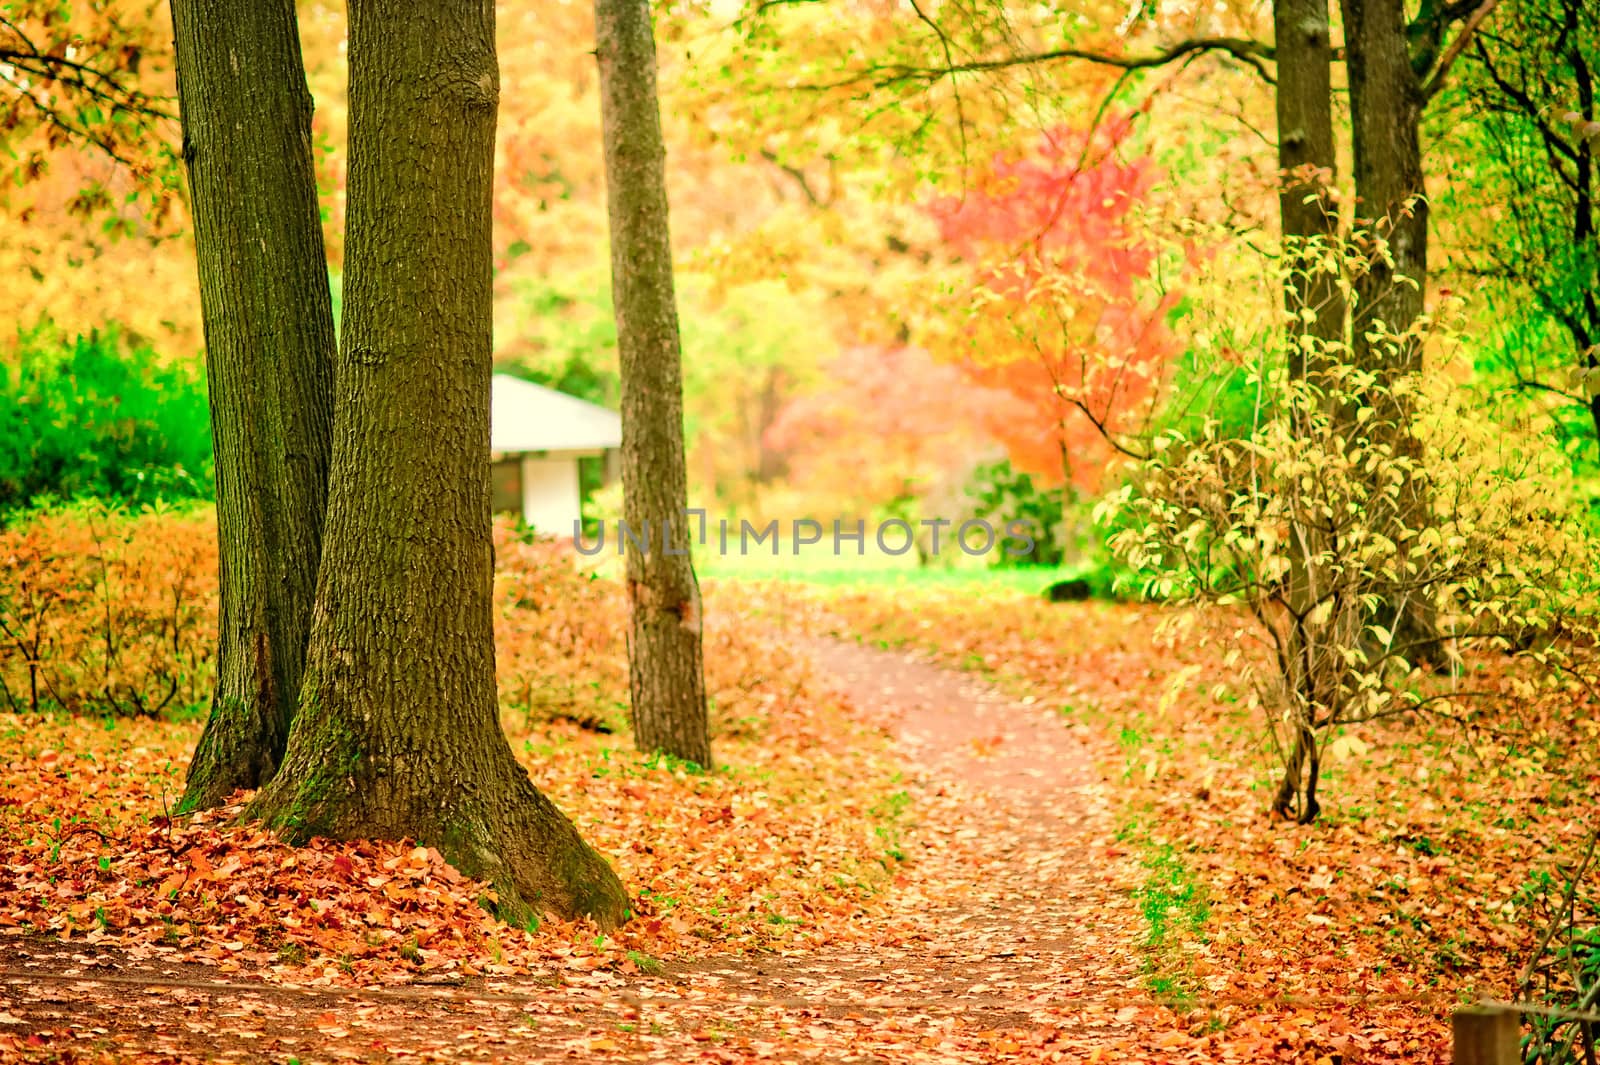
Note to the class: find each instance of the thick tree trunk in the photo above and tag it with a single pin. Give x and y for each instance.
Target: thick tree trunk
(269, 361)
(665, 667)
(1386, 114)
(1307, 162)
(1386, 102)
(398, 732)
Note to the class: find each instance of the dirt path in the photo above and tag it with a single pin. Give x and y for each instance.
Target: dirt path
(1009, 940)
(1022, 924)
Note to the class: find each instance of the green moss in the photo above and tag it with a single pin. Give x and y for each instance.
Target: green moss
(339, 756)
(592, 885)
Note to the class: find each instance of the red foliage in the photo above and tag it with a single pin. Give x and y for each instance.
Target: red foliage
(1064, 309)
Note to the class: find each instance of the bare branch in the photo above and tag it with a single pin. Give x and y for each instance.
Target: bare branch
(1435, 81)
(889, 74)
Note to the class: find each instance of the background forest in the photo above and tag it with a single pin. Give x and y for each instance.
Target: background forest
(848, 220)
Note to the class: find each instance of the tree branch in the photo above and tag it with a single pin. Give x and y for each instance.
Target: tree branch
(882, 76)
(1435, 81)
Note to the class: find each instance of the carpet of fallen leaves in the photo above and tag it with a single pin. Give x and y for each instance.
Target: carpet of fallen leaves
(1058, 855)
(1410, 886)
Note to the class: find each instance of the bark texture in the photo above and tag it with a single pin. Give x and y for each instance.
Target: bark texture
(1386, 102)
(398, 732)
(269, 361)
(665, 665)
(1307, 162)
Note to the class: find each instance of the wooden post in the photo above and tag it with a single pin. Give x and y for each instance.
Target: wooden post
(1486, 1035)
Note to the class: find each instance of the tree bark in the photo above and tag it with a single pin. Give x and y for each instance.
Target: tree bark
(1386, 104)
(397, 733)
(269, 361)
(665, 666)
(1307, 163)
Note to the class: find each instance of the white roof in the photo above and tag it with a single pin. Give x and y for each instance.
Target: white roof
(524, 416)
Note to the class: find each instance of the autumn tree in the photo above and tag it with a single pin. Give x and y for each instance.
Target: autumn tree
(397, 731)
(269, 360)
(665, 670)
(88, 76)
(1060, 304)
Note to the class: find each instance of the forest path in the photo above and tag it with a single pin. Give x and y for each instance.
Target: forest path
(1008, 936)
(1016, 930)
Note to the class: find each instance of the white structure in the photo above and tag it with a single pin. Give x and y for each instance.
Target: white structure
(536, 437)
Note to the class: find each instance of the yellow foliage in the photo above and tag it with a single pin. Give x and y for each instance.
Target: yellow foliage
(106, 612)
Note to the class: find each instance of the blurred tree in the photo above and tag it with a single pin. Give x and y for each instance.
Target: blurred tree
(666, 672)
(890, 426)
(1308, 209)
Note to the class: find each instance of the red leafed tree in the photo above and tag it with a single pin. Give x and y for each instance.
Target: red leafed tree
(1063, 305)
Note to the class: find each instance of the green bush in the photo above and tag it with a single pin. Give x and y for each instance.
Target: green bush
(99, 417)
(1002, 494)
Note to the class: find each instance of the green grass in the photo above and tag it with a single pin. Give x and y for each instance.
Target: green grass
(890, 815)
(1175, 910)
(818, 565)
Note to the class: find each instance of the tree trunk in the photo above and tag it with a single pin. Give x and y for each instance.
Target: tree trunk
(1309, 215)
(665, 668)
(1307, 162)
(1386, 102)
(1386, 113)
(398, 734)
(269, 361)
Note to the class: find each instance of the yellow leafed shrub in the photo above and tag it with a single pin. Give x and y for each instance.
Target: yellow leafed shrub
(106, 612)
(103, 611)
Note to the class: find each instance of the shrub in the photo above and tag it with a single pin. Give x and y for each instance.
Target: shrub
(98, 417)
(104, 610)
(1329, 520)
(1002, 494)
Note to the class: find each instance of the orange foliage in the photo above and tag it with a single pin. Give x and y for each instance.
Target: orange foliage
(105, 612)
(1063, 307)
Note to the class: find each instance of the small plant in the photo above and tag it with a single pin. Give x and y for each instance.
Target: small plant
(645, 963)
(672, 764)
(889, 813)
(1363, 549)
(1563, 970)
(1175, 910)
